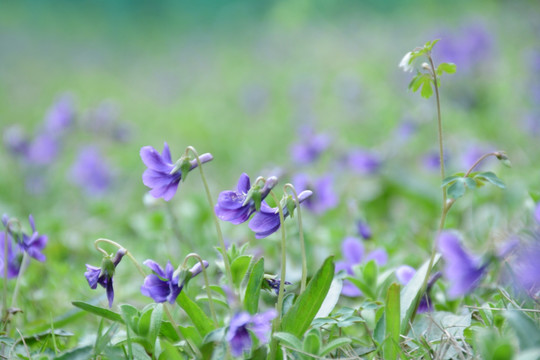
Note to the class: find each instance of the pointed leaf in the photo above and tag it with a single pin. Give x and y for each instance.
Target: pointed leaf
(449, 68)
(289, 339)
(202, 322)
(528, 333)
(334, 344)
(457, 189)
(297, 320)
(99, 311)
(155, 324)
(331, 298)
(392, 318)
(492, 178)
(253, 289)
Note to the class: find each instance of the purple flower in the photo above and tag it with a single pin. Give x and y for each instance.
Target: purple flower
(432, 161)
(60, 115)
(237, 206)
(462, 270)
(363, 162)
(472, 154)
(16, 141)
(537, 212)
(162, 176)
(14, 256)
(91, 172)
(323, 198)
(104, 275)
(163, 285)
(241, 324)
(353, 252)
(526, 267)
(266, 221)
(44, 149)
(34, 244)
(310, 147)
(274, 284)
(364, 230)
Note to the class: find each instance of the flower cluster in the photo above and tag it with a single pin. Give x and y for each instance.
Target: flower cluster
(241, 324)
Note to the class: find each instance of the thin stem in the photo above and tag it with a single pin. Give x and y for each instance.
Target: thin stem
(178, 333)
(175, 228)
(207, 283)
(216, 221)
(482, 158)
(24, 265)
(301, 234)
(128, 254)
(4, 298)
(279, 306)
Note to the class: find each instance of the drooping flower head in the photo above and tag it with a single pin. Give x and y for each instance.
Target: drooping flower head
(163, 284)
(352, 250)
(162, 175)
(91, 171)
(462, 270)
(34, 244)
(323, 198)
(237, 206)
(104, 275)
(14, 256)
(241, 324)
(266, 221)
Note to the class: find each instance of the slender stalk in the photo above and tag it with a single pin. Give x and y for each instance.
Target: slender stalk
(4, 298)
(301, 234)
(482, 158)
(128, 254)
(175, 228)
(190, 347)
(216, 220)
(207, 283)
(24, 265)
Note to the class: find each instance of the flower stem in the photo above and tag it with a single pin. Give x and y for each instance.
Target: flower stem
(207, 283)
(128, 254)
(301, 235)
(24, 265)
(176, 228)
(216, 221)
(281, 291)
(4, 298)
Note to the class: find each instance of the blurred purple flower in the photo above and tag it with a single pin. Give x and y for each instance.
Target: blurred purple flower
(238, 334)
(431, 161)
(472, 154)
(462, 270)
(363, 162)
(163, 285)
(266, 221)
(104, 275)
(274, 284)
(352, 250)
(34, 244)
(405, 273)
(162, 176)
(467, 49)
(323, 198)
(405, 130)
(232, 206)
(526, 267)
(60, 115)
(537, 212)
(310, 147)
(43, 149)
(16, 140)
(363, 229)
(14, 256)
(91, 172)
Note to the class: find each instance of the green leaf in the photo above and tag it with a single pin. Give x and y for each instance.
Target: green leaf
(99, 311)
(526, 330)
(289, 340)
(239, 268)
(169, 352)
(457, 189)
(312, 342)
(427, 90)
(392, 326)
(79, 353)
(471, 184)
(334, 344)
(130, 314)
(202, 322)
(449, 68)
(429, 45)
(144, 322)
(253, 289)
(450, 179)
(411, 293)
(155, 324)
(297, 320)
(490, 177)
(331, 298)
(369, 273)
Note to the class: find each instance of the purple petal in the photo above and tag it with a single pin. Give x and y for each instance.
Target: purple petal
(244, 184)
(155, 267)
(155, 288)
(262, 325)
(153, 160)
(230, 200)
(32, 223)
(166, 153)
(264, 222)
(404, 274)
(352, 250)
(110, 291)
(350, 290)
(92, 275)
(379, 255)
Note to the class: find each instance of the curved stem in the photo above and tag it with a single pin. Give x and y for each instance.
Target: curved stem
(301, 235)
(128, 254)
(482, 158)
(207, 283)
(216, 221)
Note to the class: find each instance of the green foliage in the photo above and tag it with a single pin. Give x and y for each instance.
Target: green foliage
(392, 319)
(253, 288)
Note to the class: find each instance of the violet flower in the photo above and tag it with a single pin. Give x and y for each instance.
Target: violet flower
(104, 275)
(323, 198)
(163, 285)
(462, 270)
(266, 221)
(537, 212)
(60, 115)
(91, 172)
(237, 206)
(43, 149)
(527, 269)
(352, 250)
(34, 244)
(363, 229)
(363, 162)
(162, 176)
(310, 147)
(14, 257)
(241, 324)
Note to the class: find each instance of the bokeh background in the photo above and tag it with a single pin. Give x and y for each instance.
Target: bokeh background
(85, 84)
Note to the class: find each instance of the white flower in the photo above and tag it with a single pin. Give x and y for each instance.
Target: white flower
(405, 63)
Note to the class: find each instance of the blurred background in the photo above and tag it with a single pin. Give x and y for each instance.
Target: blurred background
(307, 90)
